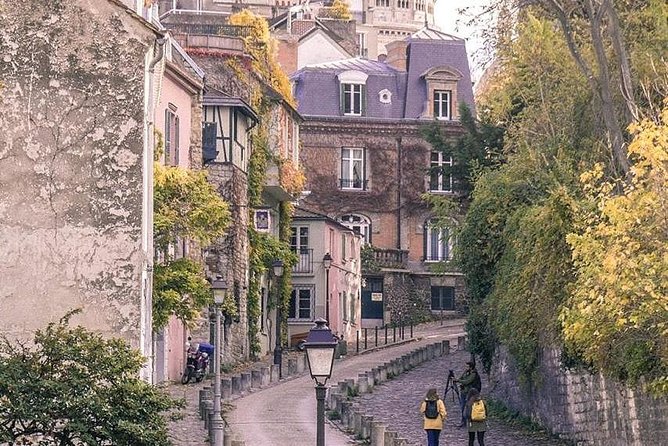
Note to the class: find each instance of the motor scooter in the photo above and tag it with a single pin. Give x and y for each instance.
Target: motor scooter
(196, 364)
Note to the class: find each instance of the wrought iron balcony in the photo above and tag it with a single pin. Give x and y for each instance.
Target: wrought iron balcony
(203, 29)
(304, 263)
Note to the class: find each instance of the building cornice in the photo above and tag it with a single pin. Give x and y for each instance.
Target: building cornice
(375, 126)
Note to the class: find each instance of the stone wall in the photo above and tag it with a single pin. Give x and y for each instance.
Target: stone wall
(588, 409)
(71, 154)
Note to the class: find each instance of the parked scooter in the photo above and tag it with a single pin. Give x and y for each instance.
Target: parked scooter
(197, 363)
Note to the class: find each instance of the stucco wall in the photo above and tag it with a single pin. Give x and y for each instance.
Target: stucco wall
(71, 145)
(586, 408)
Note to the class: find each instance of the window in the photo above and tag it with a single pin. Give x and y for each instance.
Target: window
(362, 49)
(442, 298)
(352, 99)
(343, 247)
(440, 177)
(301, 303)
(442, 104)
(359, 224)
(171, 137)
(299, 238)
(438, 243)
(352, 169)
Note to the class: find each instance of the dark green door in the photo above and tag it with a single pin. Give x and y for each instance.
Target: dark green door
(372, 298)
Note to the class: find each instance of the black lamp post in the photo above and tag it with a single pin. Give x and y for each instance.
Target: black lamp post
(219, 287)
(327, 263)
(277, 269)
(320, 346)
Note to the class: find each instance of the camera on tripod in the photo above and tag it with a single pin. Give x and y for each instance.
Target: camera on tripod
(450, 385)
(451, 373)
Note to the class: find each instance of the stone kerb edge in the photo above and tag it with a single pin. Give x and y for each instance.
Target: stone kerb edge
(357, 424)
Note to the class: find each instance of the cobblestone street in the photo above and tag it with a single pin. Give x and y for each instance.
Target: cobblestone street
(396, 404)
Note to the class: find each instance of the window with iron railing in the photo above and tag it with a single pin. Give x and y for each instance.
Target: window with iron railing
(353, 169)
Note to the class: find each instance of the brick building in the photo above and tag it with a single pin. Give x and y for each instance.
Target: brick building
(367, 164)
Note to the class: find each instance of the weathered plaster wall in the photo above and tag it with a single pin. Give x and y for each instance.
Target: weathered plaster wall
(588, 409)
(71, 142)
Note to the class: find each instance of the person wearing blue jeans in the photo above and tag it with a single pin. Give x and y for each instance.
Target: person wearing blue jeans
(433, 410)
(469, 380)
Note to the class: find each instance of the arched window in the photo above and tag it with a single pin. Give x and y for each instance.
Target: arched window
(359, 224)
(439, 242)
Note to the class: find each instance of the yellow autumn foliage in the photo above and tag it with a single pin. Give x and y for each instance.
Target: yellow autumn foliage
(617, 316)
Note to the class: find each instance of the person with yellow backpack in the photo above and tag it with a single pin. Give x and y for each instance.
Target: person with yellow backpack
(476, 413)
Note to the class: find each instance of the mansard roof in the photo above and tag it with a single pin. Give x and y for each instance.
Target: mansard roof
(356, 64)
(428, 33)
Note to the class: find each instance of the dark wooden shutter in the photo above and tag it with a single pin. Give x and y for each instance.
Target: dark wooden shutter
(341, 100)
(209, 136)
(363, 101)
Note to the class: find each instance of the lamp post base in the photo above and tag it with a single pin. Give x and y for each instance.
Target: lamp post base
(320, 392)
(278, 360)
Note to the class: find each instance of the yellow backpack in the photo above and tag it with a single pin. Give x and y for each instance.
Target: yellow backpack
(478, 411)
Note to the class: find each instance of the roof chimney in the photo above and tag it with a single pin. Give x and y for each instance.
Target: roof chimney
(396, 54)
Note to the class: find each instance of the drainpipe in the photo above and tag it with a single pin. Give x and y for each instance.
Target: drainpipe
(399, 186)
(148, 343)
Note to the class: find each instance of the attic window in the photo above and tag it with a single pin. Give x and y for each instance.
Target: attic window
(385, 96)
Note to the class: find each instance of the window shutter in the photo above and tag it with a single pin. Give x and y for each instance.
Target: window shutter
(341, 100)
(424, 240)
(363, 105)
(167, 138)
(175, 160)
(209, 134)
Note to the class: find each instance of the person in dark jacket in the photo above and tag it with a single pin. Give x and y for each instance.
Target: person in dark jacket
(433, 426)
(470, 379)
(476, 428)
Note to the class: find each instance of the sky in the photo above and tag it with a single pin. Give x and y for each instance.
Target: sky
(449, 21)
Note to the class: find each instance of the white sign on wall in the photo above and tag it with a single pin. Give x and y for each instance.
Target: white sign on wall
(377, 297)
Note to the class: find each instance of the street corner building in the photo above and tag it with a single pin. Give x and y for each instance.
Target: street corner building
(77, 83)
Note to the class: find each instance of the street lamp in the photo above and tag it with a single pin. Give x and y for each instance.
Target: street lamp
(327, 263)
(277, 268)
(219, 287)
(320, 345)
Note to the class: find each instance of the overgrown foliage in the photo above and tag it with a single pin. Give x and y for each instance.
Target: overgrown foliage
(75, 387)
(617, 315)
(536, 242)
(186, 207)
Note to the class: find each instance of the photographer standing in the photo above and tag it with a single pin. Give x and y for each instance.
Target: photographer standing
(470, 379)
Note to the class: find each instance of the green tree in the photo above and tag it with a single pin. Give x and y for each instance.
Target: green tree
(75, 387)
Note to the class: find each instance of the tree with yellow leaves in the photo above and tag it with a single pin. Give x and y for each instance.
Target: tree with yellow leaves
(617, 314)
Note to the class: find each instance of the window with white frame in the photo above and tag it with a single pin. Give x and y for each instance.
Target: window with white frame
(440, 175)
(359, 224)
(299, 238)
(352, 99)
(353, 169)
(443, 104)
(438, 243)
(301, 303)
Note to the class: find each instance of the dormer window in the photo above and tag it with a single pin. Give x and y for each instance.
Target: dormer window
(442, 93)
(353, 93)
(443, 105)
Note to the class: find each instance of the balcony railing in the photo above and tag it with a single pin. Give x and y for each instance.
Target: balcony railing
(376, 258)
(348, 184)
(304, 263)
(203, 29)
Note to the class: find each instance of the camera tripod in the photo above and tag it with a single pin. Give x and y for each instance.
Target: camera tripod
(450, 385)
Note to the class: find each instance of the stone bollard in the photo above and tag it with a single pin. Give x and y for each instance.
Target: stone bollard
(236, 385)
(256, 379)
(446, 347)
(383, 373)
(346, 414)
(351, 388)
(366, 426)
(265, 374)
(226, 388)
(208, 410)
(227, 437)
(461, 343)
(357, 423)
(236, 442)
(301, 364)
(245, 382)
(377, 434)
(292, 366)
(400, 442)
(342, 387)
(204, 395)
(334, 400)
(362, 383)
(431, 352)
(275, 376)
(390, 437)
(375, 375)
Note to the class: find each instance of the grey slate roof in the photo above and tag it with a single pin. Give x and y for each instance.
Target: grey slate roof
(317, 86)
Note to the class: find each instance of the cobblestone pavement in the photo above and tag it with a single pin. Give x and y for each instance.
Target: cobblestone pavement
(186, 429)
(396, 403)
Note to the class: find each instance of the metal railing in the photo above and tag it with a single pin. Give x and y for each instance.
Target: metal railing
(390, 258)
(204, 29)
(304, 263)
(373, 337)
